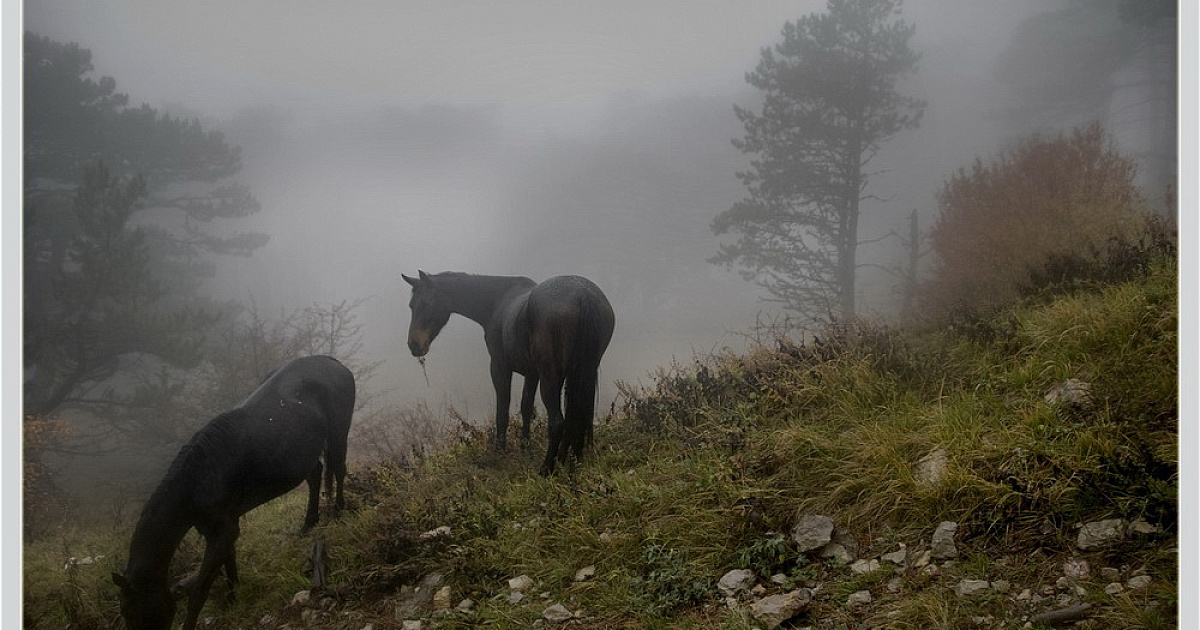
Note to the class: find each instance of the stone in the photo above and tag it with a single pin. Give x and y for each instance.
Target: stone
(1110, 574)
(586, 573)
(438, 532)
(897, 557)
(1076, 568)
(302, 598)
(1001, 586)
(1070, 393)
(779, 579)
(861, 567)
(1138, 581)
(441, 599)
(1100, 534)
(465, 606)
(943, 541)
(837, 551)
(972, 587)
(520, 584)
(516, 597)
(416, 601)
(1142, 528)
(412, 624)
(859, 598)
(557, 614)
(773, 611)
(736, 583)
(812, 532)
(930, 470)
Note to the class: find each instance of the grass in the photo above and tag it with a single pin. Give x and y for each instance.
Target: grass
(707, 470)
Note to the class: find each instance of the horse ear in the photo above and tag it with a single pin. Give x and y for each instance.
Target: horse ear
(424, 276)
(411, 281)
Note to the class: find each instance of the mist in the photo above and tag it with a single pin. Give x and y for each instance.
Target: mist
(520, 138)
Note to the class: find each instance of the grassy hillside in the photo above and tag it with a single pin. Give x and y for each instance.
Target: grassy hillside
(709, 468)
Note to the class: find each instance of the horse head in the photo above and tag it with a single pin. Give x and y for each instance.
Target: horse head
(430, 312)
(145, 608)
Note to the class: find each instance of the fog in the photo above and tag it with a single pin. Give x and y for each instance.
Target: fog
(519, 138)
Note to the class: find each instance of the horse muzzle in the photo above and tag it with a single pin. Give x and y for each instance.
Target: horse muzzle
(419, 348)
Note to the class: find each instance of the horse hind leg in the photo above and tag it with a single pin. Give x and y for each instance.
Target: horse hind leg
(552, 399)
(528, 393)
(312, 514)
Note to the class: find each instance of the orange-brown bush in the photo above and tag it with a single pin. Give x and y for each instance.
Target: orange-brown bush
(1066, 195)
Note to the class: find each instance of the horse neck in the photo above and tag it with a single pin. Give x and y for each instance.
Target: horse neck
(159, 531)
(477, 297)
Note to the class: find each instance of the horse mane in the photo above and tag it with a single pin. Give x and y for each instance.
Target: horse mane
(212, 440)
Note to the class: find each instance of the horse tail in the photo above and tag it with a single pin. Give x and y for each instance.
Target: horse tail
(593, 332)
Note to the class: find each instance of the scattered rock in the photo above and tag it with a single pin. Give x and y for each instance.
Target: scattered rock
(1110, 574)
(412, 624)
(444, 530)
(1070, 613)
(1138, 581)
(943, 541)
(520, 584)
(812, 532)
(778, 578)
(736, 582)
(897, 557)
(557, 614)
(416, 601)
(516, 597)
(1070, 393)
(931, 469)
(302, 598)
(586, 573)
(861, 567)
(441, 599)
(1114, 588)
(1142, 528)
(972, 587)
(895, 585)
(1100, 534)
(859, 598)
(838, 552)
(1076, 568)
(465, 606)
(774, 610)
(1001, 586)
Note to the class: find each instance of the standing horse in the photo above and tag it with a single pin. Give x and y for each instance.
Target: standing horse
(264, 447)
(553, 333)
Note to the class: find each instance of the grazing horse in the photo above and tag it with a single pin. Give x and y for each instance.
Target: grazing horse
(264, 447)
(553, 333)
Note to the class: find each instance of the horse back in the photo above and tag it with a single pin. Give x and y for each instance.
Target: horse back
(571, 321)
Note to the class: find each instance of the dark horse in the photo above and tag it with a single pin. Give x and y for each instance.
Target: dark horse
(241, 459)
(553, 333)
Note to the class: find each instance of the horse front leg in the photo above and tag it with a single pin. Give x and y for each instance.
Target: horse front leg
(219, 542)
(552, 399)
(502, 382)
(312, 514)
(527, 396)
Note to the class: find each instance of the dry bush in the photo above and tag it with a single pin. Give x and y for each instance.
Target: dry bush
(401, 435)
(1064, 196)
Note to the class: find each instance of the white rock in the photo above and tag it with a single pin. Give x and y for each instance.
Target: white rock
(557, 614)
(860, 598)
(812, 532)
(861, 567)
(1114, 588)
(1100, 534)
(1077, 568)
(520, 584)
(943, 541)
(972, 587)
(774, 610)
(1138, 581)
(586, 573)
(736, 582)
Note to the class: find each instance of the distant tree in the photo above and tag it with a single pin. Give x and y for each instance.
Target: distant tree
(1062, 195)
(830, 101)
(120, 208)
